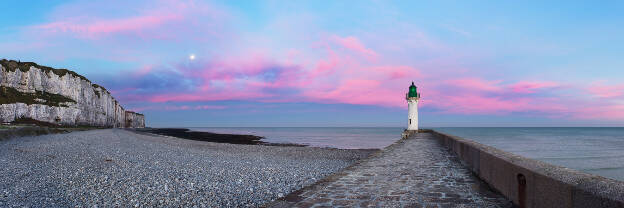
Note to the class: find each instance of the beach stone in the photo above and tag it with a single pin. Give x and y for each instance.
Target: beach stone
(121, 168)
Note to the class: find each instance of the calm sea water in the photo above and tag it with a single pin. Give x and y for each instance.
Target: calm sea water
(594, 150)
(598, 151)
(343, 138)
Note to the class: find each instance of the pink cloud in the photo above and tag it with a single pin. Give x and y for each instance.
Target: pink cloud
(354, 44)
(329, 74)
(351, 82)
(102, 27)
(397, 72)
(178, 107)
(204, 96)
(326, 65)
(610, 112)
(606, 91)
(472, 95)
(123, 90)
(531, 87)
(368, 92)
(160, 19)
(458, 103)
(475, 84)
(335, 69)
(258, 78)
(477, 104)
(337, 79)
(144, 70)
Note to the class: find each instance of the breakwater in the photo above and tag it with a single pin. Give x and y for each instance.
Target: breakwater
(415, 171)
(532, 183)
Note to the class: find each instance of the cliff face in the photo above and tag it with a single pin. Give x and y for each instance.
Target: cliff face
(58, 96)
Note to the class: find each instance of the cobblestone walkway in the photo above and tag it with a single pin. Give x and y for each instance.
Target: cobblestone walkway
(415, 172)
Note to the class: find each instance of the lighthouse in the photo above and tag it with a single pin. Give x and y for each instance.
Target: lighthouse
(412, 98)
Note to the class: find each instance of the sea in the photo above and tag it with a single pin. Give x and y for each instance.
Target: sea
(593, 150)
(336, 137)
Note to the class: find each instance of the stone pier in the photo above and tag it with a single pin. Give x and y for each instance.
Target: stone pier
(416, 171)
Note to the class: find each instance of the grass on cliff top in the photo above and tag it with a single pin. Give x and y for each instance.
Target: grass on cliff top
(13, 65)
(9, 95)
(98, 86)
(135, 113)
(96, 92)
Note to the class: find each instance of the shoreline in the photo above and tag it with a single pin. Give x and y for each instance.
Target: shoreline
(185, 133)
(245, 139)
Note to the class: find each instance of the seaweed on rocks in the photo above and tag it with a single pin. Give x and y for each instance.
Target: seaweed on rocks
(211, 137)
(205, 136)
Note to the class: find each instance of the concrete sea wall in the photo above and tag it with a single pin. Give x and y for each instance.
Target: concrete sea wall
(532, 183)
(58, 96)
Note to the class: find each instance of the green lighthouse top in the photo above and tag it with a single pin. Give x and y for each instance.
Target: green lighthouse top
(412, 92)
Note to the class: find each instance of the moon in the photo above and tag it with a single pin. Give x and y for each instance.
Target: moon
(192, 57)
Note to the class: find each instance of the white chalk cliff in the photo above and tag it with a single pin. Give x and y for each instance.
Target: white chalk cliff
(58, 96)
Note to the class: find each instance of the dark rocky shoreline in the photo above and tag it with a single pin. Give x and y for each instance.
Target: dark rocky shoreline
(212, 137)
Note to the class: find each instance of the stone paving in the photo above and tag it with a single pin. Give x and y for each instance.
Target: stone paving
(414, 172)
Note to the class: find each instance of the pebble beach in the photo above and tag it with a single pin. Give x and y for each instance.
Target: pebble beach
(116, 167)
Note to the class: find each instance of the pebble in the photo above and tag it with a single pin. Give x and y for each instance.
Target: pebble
(120, 168)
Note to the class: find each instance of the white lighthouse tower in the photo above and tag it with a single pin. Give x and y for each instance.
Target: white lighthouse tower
(412, 98)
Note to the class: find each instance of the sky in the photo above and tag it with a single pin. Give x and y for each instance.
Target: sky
(336, 63)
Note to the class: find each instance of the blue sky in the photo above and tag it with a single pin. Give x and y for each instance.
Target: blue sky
(336, 63)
